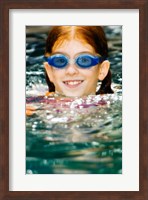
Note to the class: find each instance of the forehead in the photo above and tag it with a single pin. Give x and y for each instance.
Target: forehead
(72, 46)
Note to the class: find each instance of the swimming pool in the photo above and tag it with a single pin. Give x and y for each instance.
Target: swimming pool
(73, 135)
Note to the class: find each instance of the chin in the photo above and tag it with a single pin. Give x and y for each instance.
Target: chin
(73, 94)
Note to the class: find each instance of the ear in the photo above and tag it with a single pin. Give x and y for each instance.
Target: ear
(49, 71)
(104, 68)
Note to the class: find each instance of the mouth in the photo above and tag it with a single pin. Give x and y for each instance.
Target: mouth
(73, 83)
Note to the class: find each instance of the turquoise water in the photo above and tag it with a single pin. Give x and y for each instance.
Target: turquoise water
(72, 135)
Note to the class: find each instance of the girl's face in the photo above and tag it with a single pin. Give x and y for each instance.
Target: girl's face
(72, 80)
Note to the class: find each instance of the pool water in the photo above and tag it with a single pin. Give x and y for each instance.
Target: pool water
(72, 135)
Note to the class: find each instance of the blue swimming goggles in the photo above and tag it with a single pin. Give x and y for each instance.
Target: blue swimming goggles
(83, 61)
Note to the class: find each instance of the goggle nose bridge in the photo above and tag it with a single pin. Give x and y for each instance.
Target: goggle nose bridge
(71, 61)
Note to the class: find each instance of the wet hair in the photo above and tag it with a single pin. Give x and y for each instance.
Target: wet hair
(93, 35)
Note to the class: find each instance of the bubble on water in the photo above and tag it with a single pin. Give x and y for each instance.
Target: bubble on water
(50, 116)
(34, 126)
(94, 143)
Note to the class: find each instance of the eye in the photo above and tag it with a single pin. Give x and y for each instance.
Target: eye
(59, 60)
(84, 61)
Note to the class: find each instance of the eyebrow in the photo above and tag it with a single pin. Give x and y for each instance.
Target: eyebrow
(82, 52)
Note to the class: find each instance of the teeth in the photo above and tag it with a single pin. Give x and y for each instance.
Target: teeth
(72, 82)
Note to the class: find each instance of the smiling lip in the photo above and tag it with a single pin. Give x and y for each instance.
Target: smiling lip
(72, 83)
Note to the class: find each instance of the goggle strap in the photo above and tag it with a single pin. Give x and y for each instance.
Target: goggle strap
(48, 59)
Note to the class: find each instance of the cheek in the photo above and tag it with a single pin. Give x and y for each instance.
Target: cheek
(57, 75)
(92, 74)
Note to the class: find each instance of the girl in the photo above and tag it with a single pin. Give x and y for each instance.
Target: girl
(75, 59)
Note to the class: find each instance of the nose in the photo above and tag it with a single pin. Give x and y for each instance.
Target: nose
(72, 69)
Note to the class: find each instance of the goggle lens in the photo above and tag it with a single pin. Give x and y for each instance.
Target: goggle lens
(86, 61)
(59, 61)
